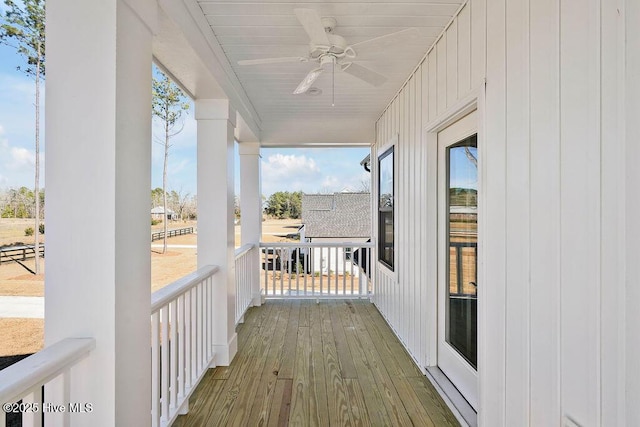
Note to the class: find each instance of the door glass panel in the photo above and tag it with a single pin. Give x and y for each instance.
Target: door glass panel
(462, 238)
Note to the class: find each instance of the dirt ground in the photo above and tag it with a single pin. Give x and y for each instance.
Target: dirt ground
(22, 336)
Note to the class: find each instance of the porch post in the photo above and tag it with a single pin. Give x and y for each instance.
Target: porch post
(216, 236)
(251, 207)
(98, 169)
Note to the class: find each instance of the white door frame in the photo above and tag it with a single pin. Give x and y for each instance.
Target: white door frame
(454, 366)
(474, 101)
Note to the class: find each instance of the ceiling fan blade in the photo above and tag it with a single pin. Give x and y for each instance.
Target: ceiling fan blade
(308, 81)
(313, 26)
(363, 73)
(272, 60)
(380, 43)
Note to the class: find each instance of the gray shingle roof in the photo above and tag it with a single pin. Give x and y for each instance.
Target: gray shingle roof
(345, 215)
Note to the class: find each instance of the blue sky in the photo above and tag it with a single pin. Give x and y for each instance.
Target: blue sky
(309, 170)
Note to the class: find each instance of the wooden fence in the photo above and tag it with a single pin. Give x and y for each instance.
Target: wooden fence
(19, 253)
(171, 233)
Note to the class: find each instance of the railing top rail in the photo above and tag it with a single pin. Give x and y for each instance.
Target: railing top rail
(41, 367)
(244, 249)
(317, 244)
(162, 296)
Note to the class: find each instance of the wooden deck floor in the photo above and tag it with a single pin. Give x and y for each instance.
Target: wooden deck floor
(299, 363)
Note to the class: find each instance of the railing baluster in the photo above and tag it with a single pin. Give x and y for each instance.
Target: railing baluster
(181, 347)
(200, 326)
(313, 269)
(164, 365)
(321, 269)
(297, 267)
(305, 268)
(187, 335)
(274, 267)
(289, 271)
(266, 270)
(281, 273)
(173, 347)
(155, 369)
(33, 418)
(194, 334)
(210, 320)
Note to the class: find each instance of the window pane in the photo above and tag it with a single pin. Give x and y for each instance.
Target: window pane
(386, 180)
(386, 238)
(385, 208)
(463, 243)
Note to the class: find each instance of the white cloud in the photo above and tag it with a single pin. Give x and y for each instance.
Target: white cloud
(292, 172)
(280, 165)
(21, 157)
(331, 184)
(17, 163)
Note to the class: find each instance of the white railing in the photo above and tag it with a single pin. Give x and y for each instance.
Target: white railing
(245, 276)
(316, 270)
(24, 380)
(181, 343)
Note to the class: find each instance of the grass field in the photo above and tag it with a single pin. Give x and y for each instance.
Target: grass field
(21, 336)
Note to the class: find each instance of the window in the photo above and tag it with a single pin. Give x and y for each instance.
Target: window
(385, 208)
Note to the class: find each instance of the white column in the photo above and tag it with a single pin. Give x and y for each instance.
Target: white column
(98, 168)
(251, 207)
(216, 237)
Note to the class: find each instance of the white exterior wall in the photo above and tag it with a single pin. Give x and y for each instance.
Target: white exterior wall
(326, 257)
(559, 263)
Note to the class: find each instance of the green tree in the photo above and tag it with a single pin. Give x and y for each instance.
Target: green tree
(23, 29)
(168, 105)
(283, 204)
(156, 197)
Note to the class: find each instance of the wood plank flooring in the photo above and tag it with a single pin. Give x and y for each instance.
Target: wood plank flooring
(299, 363)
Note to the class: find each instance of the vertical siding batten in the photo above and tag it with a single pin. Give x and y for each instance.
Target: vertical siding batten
(517, 217)
(612, 223)
(452, 63)
(441, 52)
(412, 249)
(491, 357)
(631, 15)
(545, 213)
(580, 174)
(464, 52)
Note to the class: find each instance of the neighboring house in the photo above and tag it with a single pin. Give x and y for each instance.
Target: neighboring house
(338, 217)
(158, 213)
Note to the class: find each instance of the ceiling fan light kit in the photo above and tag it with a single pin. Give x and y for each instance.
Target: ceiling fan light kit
(308, 81)
(325, 48)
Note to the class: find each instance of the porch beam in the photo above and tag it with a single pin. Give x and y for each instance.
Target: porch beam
(216, 237)
(98, 169)
(251, 207)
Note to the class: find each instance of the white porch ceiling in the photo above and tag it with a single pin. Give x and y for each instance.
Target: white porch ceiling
(246, 29)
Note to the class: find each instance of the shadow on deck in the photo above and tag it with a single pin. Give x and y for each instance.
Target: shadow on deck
(302, 363)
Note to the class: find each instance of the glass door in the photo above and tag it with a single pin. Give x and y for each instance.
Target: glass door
(458, 255)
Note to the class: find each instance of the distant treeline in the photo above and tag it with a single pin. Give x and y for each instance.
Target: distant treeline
(20, 203)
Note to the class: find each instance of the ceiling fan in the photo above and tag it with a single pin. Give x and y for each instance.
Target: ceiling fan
(328, 49)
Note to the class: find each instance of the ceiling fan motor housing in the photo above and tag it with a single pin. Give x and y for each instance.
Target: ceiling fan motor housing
(337, 47)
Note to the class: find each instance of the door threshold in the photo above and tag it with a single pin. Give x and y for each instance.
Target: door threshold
(464, 413)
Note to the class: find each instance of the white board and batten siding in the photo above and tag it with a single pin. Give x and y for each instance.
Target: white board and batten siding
(560, 266)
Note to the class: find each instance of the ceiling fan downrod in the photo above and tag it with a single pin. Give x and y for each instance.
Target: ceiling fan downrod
(333, 84)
